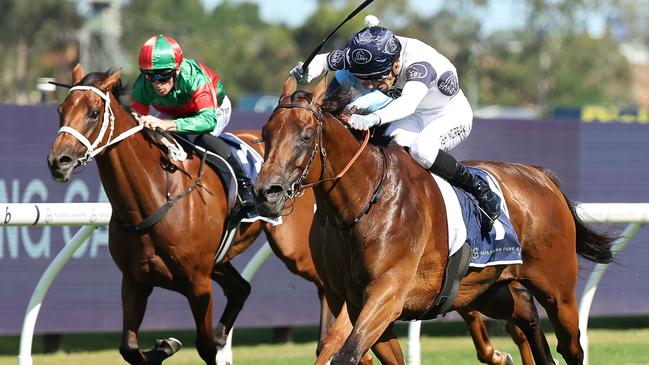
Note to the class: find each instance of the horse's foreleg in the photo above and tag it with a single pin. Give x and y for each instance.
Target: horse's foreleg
(134, 300)
(333, 339)
(201, 300)
(236, 290)
(486, 352)
(387, 348)
(382, 305)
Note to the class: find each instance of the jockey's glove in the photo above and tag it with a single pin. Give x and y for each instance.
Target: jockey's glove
(299, 74)
(364, 122)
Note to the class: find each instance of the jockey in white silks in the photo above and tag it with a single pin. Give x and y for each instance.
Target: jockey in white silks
(415, 89)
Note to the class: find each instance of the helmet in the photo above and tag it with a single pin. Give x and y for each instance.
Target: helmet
(372, 51)
(160, 53)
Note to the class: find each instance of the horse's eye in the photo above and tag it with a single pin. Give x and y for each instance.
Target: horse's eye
(307, 134)
(94, 114)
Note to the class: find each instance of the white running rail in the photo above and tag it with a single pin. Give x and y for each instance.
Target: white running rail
(89, 216)
(92, 215)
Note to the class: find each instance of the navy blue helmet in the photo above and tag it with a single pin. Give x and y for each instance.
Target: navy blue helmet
(371, 52)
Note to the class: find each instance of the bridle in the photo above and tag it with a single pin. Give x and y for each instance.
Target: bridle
(108, 123)
(296, 188)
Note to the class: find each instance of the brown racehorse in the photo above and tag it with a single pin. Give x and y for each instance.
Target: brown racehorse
(385, 225)
(177, 253)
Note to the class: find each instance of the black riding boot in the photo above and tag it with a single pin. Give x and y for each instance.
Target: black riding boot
(459, 175)
(218, 146)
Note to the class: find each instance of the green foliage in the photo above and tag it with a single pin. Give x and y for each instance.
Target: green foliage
(551, 61)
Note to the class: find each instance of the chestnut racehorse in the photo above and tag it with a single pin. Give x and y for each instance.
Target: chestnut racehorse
(385, 227)
(177, 253)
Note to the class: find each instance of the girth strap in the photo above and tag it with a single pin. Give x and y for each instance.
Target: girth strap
(456, 268)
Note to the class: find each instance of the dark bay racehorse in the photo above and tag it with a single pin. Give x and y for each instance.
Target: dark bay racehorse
(178, 252)
(385, 227)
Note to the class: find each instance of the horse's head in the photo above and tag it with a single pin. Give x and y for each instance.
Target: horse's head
(84, 116)
(291, 142)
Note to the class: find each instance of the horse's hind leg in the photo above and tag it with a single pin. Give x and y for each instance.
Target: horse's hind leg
(236, 290)
(201, 300)
(134, 300)
(486, 352)
(516, 304)
(558, 299)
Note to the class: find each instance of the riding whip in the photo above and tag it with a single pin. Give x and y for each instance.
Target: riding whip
(319, 47)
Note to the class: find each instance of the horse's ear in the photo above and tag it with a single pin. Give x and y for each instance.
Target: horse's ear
(320, 89)
(77, 74)
(108, 83)
(289, 87)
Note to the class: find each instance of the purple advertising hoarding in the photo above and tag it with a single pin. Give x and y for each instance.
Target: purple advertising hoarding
(596, 163)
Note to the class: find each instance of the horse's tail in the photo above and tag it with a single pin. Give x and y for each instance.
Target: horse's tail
(591, 245)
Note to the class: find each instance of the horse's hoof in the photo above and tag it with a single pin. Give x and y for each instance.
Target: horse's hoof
(502, 358)
(168, 345)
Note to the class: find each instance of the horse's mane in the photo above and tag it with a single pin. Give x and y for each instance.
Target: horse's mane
(120, 90)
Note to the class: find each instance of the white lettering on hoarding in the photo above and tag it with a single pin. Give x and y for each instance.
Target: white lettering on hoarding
(24, 240)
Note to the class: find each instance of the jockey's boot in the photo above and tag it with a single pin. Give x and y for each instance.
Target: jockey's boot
(460, 176)
(218, 146)
(246, 196)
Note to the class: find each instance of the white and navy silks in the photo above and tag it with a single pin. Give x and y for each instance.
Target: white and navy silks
(426, 108)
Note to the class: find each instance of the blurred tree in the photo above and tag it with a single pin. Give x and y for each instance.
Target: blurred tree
(36, 39)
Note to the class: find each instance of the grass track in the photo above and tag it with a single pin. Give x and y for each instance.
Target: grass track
(626, 346)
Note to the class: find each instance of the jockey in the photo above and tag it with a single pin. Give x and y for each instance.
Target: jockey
(187, 98)
(426, 109)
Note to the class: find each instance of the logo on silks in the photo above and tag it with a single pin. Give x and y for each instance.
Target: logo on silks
(361, 56)
(392, 46)
(393, 93)
(448, 84)
(336, 60)
(416, 71)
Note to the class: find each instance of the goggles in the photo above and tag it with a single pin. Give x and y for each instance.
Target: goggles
(159, 76)
(379, 77)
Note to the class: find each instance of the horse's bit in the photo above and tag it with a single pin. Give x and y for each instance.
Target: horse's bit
(108, 121)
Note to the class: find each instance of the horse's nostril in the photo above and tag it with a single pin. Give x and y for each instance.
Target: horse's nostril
(64, 160)
(273, 193)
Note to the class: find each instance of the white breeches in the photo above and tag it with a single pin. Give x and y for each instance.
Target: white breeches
(223, 113)
(426, 132)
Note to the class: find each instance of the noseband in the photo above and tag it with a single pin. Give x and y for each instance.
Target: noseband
(107, 122)
(297, 188)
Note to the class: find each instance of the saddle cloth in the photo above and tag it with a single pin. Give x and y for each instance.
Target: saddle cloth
(250, 161)
(500, 247)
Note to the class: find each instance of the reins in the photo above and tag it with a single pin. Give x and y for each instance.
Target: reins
(108, 122)
(297, 188)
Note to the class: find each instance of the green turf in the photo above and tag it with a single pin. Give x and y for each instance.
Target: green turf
(623, 341)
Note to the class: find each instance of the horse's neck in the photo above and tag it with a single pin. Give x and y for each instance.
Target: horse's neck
(130, 170)
(348, 196)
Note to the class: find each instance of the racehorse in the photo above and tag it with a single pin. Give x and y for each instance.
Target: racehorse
(385, 225)
(177, 253)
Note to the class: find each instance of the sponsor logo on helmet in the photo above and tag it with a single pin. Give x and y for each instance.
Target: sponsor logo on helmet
(361, 56)
(392, 46)
(416, 71)
(448, 84)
